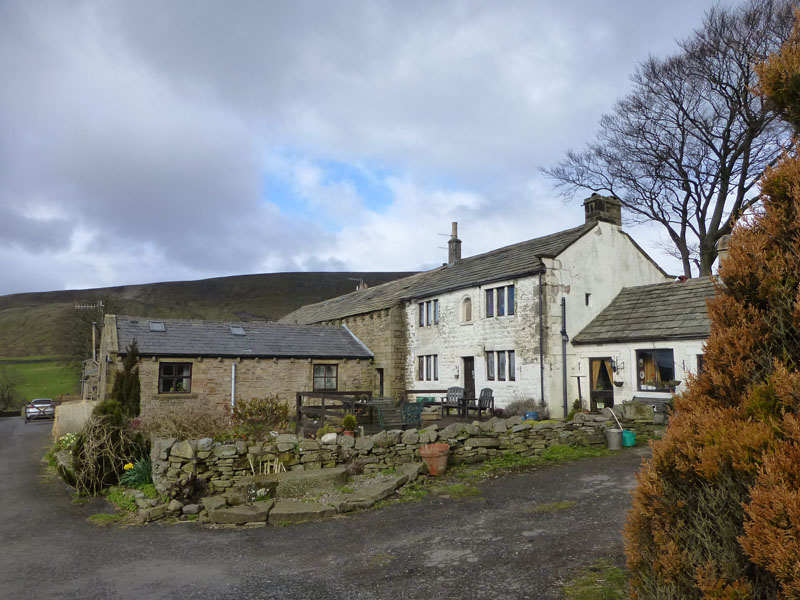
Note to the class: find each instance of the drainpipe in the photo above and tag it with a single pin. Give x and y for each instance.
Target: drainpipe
(564, 340)
(541, 337)
(233, 384)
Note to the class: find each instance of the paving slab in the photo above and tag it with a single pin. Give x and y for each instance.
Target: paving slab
(243, 513)
(296, 511)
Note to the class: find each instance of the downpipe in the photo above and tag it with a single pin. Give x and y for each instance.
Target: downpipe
(541, 339)
(233, 385)
(564, 340)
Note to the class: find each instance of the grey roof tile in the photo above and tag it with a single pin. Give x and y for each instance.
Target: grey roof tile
(653, 312)
(504, 263)
(214, 338)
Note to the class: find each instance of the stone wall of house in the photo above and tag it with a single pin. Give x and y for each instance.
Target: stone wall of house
(221, 465)
(255, 378)
(384, 333)
(455, 337)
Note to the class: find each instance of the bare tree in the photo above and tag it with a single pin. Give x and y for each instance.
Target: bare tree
(9, 381)
(686, 147)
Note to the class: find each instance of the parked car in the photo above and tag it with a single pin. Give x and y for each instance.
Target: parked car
(40, 408)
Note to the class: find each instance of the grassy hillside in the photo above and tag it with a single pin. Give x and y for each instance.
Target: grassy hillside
(40, 377)
(29, 322)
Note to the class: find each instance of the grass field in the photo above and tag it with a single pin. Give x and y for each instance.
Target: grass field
(42, 377)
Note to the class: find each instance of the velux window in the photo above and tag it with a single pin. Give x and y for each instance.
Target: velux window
(174, 378)
(428, 313)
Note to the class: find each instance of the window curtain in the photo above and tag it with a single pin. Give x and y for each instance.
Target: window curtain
(607, 365)
(596, 373)
(649, 369)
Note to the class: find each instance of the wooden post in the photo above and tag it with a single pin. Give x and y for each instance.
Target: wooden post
(299, 412)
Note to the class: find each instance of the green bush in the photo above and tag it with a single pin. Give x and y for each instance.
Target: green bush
(126, 383)
(255, 418)
(349, 422)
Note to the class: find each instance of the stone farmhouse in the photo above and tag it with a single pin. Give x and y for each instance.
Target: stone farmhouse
(185, 361)
(583, 314)
(504, 319)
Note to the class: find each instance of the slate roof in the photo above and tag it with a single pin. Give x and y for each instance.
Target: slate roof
(663, 311)
(262, 339)
(517, 260)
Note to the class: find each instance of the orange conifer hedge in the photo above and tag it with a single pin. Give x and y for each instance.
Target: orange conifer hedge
(716, 513)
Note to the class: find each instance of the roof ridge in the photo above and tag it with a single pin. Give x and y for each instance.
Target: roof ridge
(586, 226)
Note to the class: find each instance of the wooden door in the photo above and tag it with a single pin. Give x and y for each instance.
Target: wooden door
(469, 376)
(601, 383)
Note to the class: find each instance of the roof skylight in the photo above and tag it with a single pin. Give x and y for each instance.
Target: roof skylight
(237, 330)
(157, 326)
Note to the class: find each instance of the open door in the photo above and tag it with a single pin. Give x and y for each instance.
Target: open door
(469, 376)
(380, 382)
(601, 383)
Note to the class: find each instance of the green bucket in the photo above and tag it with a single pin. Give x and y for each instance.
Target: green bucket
(628, 438)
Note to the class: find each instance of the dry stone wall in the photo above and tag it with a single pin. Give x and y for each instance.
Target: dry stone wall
(221, 465)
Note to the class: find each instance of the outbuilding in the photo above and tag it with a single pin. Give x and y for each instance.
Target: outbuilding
(185, 361)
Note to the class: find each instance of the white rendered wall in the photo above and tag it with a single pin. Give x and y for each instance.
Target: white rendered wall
(600, 264)
(453, 338)
(684, 357)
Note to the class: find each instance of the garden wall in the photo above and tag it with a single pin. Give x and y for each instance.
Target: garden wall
(221, 465)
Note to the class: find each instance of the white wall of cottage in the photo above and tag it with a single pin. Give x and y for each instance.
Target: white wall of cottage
(684, 356)
(601, 263)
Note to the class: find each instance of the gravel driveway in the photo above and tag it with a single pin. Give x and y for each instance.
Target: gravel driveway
(496, 545)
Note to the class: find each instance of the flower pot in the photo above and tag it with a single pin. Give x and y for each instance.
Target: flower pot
(435, 457)
(349, 433)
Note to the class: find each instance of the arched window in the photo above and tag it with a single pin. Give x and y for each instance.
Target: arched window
(466, 310)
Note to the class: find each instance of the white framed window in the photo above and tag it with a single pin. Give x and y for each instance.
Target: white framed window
(428, 313)
(501, 365)
(428, 367)
(501, 301)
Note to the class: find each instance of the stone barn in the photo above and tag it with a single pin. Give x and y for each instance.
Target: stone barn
(210, 362)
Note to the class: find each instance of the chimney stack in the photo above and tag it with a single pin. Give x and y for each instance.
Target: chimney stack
(603, 208)
(454, 246)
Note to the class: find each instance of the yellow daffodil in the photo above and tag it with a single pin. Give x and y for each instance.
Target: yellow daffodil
(128, 466)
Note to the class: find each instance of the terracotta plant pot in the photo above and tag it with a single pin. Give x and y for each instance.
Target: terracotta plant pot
(349, 433)
(435, 457)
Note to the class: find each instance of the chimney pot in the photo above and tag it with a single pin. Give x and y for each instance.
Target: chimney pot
(454, 246)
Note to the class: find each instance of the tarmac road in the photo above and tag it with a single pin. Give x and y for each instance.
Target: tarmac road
(486, 547)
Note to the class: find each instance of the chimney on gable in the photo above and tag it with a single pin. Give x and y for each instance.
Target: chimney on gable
(454, 246)
(603, 208)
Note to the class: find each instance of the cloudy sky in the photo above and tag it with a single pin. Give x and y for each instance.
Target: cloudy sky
(163, 140)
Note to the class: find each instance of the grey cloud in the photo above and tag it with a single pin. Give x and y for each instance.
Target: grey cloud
(32, 235)
(145, 124)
